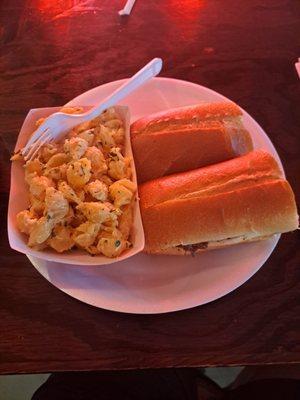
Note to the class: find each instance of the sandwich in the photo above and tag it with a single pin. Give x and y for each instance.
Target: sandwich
(186, 138)
(241, 200)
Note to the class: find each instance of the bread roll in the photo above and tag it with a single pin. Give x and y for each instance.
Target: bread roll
(187, 138)
(240, 200)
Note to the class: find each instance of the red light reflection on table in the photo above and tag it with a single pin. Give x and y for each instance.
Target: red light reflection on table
(57, 9)
(55, 15)
(183, 12)
(54, 7)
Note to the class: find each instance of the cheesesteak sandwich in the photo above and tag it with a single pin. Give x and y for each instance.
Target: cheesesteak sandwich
(241, 200)
(186, 138)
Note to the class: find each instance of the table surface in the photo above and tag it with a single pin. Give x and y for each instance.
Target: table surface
(51, 51)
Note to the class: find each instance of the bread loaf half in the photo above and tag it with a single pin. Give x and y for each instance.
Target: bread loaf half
(186, 138)
(240, 200)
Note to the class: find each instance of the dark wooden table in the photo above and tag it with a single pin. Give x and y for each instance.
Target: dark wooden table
(51, 51)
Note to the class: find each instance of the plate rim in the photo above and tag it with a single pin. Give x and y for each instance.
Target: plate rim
(34, 261)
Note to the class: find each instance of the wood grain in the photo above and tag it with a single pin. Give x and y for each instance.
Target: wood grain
(52, 51)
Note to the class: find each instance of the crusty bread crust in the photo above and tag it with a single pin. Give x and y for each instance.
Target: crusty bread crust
(245, 196)
(189, 115)
(218, 178)
(187, 138)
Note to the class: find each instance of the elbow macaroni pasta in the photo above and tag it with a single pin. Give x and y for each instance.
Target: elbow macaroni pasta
(80, 190)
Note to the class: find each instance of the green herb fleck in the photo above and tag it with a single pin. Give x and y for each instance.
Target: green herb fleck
(117, 243)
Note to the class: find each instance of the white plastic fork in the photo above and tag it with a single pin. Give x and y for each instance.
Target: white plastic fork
(128, 7)
(58, 124)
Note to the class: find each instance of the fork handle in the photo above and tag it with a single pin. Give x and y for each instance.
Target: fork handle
(150, 70)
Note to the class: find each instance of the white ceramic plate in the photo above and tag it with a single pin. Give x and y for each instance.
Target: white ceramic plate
(147, 284)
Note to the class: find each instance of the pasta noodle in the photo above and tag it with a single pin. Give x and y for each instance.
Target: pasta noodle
(80, 190)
